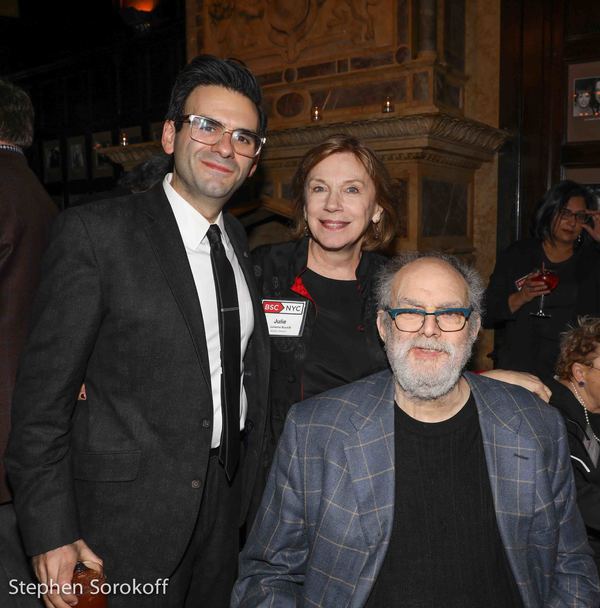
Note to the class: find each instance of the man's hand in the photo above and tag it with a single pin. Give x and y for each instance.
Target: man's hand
(529, 381)
(55, 569)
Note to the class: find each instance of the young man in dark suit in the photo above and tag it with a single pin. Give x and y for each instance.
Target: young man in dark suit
(149, 300)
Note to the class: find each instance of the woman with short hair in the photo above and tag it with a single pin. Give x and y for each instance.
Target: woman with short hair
(576, 393)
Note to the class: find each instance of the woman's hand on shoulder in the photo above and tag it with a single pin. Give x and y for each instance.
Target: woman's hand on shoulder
(529, 381)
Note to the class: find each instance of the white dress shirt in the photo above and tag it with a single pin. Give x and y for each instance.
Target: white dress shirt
(193, 227)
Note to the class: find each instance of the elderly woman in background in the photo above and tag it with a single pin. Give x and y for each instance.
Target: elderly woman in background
(577, 396)
(345, 214)
(565, 233)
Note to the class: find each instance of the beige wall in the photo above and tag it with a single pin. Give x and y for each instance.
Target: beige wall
(482, 103)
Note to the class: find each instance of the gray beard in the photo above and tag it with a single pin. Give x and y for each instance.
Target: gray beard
(422, 384)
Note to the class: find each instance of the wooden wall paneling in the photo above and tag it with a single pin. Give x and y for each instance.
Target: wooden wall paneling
(530, 91)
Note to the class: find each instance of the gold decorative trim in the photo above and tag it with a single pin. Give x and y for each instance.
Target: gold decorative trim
(447, 129)
(132, 155)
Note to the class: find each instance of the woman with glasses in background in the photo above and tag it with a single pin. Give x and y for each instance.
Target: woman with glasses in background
(566, 231)
(577, 395)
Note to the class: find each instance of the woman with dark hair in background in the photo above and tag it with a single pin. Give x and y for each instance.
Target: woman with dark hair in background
(565, 229)
(577, 396)
(345, 213)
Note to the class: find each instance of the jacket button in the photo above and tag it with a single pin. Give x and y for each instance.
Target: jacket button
(205, 423)
(196, 484)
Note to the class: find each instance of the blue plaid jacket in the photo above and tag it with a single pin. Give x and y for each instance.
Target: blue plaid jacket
(324, 524)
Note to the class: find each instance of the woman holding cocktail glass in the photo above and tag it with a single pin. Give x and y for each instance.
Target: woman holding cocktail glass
(542, 284)
(576, 393)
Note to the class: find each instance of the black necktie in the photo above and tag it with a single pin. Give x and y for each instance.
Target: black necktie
(229, 331)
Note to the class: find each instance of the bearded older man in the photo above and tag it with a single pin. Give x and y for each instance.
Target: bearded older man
(422, 487)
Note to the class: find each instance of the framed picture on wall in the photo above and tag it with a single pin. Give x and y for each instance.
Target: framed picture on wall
(76, 158)
(52, 161)
(583, 102)
(101, 165)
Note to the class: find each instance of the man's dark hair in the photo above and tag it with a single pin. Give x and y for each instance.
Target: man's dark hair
(208, 70)
(16, 115)
(551, 204)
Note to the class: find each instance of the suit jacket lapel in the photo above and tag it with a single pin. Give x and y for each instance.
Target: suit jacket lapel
(511, 467)
(161, 227)
(370, 458)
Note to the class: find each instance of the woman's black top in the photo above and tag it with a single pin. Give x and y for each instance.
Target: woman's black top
(525, 342)
(339, 343)
(587, 474)
(337, 350)
(445, 548)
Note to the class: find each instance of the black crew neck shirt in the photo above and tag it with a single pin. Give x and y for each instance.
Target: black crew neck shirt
(445, 548)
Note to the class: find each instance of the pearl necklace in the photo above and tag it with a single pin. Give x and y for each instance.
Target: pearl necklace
(585, 410)
(11, 148)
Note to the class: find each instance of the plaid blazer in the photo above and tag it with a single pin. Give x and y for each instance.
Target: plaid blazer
(324, 524)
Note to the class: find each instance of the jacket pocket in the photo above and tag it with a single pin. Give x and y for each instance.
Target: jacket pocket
(106, 466)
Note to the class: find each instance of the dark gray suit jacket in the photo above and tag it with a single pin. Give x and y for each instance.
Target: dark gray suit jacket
(125, 469)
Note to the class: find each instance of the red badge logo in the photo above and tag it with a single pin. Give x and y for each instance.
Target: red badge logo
(272, 307)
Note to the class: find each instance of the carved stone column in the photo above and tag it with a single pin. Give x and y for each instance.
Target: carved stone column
(433, 155)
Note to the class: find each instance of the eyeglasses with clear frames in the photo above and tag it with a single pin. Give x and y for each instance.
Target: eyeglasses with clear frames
(208, 131)
(412, 319)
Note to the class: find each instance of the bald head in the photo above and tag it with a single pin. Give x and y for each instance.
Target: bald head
(433, 272)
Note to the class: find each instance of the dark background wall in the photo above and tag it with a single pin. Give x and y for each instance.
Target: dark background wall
(91, 66)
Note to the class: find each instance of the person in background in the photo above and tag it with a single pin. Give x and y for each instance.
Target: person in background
(582, 103)
(596, 99)
(344, 219)
(421, 485)
(576, 394)
(566, 231)
(26, 213)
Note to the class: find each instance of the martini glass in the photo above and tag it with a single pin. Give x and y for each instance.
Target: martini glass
(551, 281)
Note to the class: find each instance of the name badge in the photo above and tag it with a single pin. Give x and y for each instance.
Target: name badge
(285, 317)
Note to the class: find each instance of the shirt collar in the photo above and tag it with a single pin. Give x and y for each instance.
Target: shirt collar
(192, 225)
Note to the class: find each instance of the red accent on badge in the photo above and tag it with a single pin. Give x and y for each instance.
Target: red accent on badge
(271, 307)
